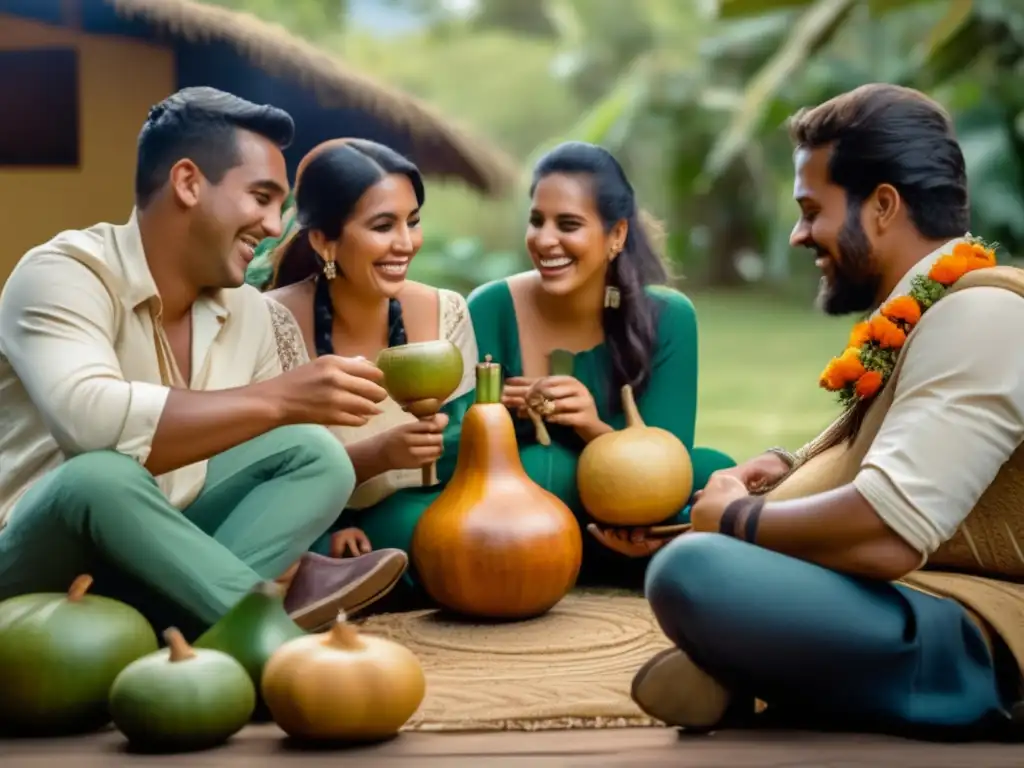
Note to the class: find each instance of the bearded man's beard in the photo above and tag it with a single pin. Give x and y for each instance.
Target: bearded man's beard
(853, 283)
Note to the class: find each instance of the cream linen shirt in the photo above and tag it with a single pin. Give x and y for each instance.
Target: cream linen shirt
(85, 364)
(957, 413)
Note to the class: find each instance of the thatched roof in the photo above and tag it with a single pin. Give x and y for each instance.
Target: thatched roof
(440, 148)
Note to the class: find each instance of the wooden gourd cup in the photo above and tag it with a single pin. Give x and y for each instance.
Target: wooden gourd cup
(420, 377)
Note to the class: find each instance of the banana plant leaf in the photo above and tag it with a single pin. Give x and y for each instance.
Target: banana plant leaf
(994, 171)
(811, 32)
(956, 42)
(735, 9)
(609, 121)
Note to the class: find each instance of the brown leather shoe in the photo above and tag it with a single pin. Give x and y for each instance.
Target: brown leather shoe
(671, 688)
(324, 586)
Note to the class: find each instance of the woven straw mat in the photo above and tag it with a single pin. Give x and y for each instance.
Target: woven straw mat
(570, 668)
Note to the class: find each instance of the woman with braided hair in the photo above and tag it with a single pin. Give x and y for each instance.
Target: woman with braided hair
(339, 287)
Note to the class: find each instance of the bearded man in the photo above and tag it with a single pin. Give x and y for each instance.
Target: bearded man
(871, 580)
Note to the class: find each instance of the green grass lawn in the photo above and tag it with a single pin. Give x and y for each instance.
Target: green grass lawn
(759, 364)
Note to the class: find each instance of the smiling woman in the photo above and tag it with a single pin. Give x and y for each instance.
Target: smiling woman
(339, 287)
(597, 290)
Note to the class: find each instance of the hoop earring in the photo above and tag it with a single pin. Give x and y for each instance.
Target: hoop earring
(330, 269)
(612, 297)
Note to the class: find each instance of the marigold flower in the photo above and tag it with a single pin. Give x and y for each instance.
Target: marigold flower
(966, 257)
(842, 370)
(886, 333)
(903, 308)
(830, 378)
(975, 252)
(850, 365)
(860, 335)
(948, 269)
(868, 384)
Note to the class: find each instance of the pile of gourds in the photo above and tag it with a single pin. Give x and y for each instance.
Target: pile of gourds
(73, 662)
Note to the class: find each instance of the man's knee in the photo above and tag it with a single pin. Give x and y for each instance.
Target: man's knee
(689, 573)
(92, 478)
(323, 456)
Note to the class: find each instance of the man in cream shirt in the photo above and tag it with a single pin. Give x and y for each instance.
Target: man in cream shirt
(147, 436)
(792, 597)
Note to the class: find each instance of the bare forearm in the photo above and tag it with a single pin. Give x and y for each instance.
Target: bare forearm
(368, 458)
(198, 425)
(593, 431)
(838, 530)
(886, 558)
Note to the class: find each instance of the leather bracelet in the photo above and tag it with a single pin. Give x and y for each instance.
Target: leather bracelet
(752, 505)
(753, 520)
(727, 525)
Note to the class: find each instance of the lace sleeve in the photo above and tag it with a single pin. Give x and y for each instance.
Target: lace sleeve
(291, 348)
(457, 327)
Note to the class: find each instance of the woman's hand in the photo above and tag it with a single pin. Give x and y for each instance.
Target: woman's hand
(513, 394)
(416, 444)
(635, 542)
(565, 400)
(351, 541)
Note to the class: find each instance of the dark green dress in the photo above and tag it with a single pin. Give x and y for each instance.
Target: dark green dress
(669, 402)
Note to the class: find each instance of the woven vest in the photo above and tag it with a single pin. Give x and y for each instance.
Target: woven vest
(982, 565)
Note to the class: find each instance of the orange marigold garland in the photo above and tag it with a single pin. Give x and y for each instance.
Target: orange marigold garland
(871, 351)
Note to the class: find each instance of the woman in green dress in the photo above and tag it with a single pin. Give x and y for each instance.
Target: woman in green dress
(339, 287)
(597, 291)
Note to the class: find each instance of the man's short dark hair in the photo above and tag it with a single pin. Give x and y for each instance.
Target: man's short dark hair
(201, 124)
(888, 134)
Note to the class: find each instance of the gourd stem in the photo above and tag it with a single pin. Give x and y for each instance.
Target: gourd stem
(79, 587)
(180, 649)
(629, 408)
(344, 635)
(488, 382)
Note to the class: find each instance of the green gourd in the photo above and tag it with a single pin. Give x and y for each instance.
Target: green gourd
(180, 699)
(255, 627)
(59, 654)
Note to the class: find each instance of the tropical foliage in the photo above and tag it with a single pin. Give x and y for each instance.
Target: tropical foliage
(692, 97)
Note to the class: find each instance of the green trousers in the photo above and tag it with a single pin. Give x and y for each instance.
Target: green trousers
(263, 504)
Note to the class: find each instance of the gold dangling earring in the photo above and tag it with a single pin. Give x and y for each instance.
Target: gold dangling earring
(330, 269)
(612, 295)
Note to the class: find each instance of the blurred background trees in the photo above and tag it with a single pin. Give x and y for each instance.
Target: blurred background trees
(692, 96)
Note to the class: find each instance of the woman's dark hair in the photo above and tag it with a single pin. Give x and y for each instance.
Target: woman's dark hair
(631, 328)
(330, 180)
